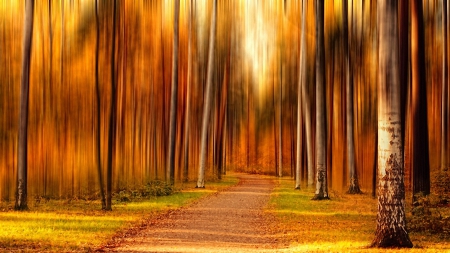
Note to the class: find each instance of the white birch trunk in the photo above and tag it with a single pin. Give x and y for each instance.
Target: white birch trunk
(391, 217)
(21, 194)
(206, 111)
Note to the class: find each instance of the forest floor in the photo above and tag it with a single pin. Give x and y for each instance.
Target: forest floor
(265, 214)
(229, 221)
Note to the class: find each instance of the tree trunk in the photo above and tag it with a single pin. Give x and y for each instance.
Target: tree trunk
(321, 154)
(354, 185)
(170, 176)
(391, 217)
(188, 100)
(112, 115)
(419, 153)
(444, 127)
(280, 124)
(301, 83)
(97, 90)
(22, 173)
(207, 109)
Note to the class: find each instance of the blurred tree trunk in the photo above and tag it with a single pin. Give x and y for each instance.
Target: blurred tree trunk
(391, 217)
(98, 101)
(354, 185)
(280, 124)
(301, 84)
(188, 99)
(170, 176)
(321, 154)
(275, 125)
(22, 166)
(444, 126)
(419, 116)
(208, 96)
(113, 114)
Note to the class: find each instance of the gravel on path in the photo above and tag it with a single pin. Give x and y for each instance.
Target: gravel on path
(230, 221)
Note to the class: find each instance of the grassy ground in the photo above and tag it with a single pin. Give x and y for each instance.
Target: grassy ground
(346, 223)
(61, 226)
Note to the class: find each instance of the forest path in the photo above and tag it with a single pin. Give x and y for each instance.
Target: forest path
(229, 221)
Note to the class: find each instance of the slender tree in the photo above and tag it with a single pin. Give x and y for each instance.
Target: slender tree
(301, 83)
(22, 166)
(306, 105)
(280, 124)
(170, 176)
(444, 127)
(420, 161)
(354, 185)
(208, 96)
(321, 154)
(391, 217)
(112, 114)
(98, 101)
(188, 99)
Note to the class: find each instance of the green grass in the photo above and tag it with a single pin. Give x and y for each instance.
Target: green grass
(346, 223)
(62, 225)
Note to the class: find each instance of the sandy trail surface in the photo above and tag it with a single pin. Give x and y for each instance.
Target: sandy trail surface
(229, 221)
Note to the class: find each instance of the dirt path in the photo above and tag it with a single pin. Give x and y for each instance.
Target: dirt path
(230, 221)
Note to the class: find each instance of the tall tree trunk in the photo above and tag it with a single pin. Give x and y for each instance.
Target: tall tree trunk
(321, 154)
(301, 83)
(207, 108)
(22, 166)
(391, 217)
(280, 124)
(275, 125)
(97, 93)
(170, 176)
(444, 127)
(188, 100)
(354, 185)
(112, 115)
(419, 116)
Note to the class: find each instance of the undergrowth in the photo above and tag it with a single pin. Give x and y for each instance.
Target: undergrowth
(431, 213)
(151, 189)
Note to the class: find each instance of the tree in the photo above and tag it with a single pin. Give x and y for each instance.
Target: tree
(170, 176)
(444, 126)
(98, 101)
(391, 217)
(354, 185)
(22, 173)
(301, 83)
(208, 95)
(321, 154)
(112, 114)
(420, 165)
(188, 98)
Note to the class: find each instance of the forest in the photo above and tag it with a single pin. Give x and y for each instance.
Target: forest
(101, 96)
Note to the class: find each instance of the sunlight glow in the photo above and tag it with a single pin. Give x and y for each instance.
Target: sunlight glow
(259, 41)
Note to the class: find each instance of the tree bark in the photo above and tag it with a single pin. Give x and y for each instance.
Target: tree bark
(22, 166)
(208, 95)
(391, 217)
(97, 90)
(419, 116)
(444, 127)
(188, 100)
(301, 83)
(112, 115)
(170, 176)
(354, 185)
(321, 154)
(280, 124)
